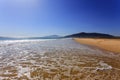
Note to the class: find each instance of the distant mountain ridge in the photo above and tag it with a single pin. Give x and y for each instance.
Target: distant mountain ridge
(46, 37)
(77, 35)
(90, 35)
(7, 38)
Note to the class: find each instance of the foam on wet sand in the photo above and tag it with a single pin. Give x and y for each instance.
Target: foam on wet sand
(62, 59)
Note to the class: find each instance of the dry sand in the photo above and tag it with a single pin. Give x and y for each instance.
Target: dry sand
(112, 45)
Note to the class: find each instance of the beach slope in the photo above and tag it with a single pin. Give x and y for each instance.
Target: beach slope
(112, 45)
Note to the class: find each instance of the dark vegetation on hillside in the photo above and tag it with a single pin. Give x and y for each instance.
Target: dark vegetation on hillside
(91, 35)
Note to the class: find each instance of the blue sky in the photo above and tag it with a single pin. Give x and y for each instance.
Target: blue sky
(22, 18)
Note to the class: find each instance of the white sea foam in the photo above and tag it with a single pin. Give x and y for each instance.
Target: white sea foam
(26, 40)
(24, 54)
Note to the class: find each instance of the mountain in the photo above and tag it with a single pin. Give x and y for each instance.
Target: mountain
(52, 36)
(7, 38)
(46, 37)
(90, 35)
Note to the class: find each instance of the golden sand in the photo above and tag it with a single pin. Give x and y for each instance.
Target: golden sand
(112, 45)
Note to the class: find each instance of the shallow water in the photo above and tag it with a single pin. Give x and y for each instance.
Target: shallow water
(61, 59)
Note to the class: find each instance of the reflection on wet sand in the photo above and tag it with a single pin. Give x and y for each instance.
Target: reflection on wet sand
(56, 60)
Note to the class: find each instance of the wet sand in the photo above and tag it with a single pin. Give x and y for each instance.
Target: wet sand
(62, 59)
(112, 45)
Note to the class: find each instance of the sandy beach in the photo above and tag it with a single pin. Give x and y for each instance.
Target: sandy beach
(112, 45)
(62, 59)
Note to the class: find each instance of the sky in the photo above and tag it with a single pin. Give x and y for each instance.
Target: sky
(25, 18)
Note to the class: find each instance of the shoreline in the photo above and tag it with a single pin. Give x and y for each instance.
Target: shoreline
(66, 58)
(111, 45)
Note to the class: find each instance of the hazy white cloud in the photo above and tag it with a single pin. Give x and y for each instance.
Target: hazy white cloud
(18, 8)
(20, 3)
